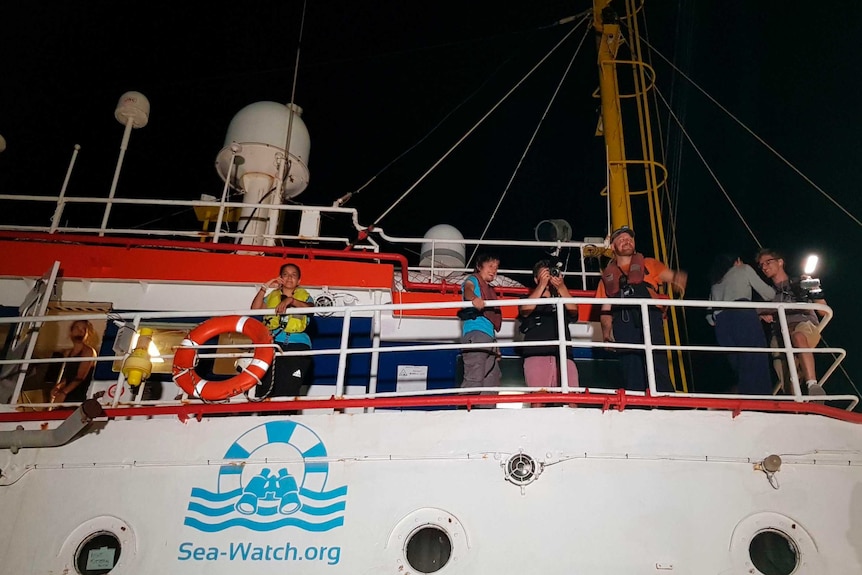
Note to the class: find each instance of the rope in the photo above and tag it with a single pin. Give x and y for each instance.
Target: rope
(708, 168)
(532, 137)
(775, 152)
(473, 128)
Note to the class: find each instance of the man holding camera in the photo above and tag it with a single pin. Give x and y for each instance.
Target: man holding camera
(631, 275)
(539, 323)
(802, 324)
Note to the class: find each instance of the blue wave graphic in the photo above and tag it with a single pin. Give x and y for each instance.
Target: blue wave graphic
(327, 510)
(197, 492)
(269, 526)
(323, 495)
(210, 511)
(216, 511)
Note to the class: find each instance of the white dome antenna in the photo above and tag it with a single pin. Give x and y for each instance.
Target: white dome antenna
(443, 254)
(133, 111)
(254, 156)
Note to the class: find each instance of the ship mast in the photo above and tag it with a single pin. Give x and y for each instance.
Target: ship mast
(631, 177)
(606, 24)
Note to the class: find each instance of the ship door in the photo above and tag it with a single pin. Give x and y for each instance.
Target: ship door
(22, 335)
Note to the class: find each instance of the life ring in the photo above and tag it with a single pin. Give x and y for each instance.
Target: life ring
(186, 358)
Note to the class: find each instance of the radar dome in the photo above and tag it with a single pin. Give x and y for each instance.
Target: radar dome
(258, 134)
(443, 254)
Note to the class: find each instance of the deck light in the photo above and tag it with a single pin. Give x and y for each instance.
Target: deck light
(810, 265)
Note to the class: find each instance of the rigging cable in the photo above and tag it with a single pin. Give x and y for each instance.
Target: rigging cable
(473, 128)
(756, 137)
(293, 89)
(427, 134)
(708, 168)
(532, 137)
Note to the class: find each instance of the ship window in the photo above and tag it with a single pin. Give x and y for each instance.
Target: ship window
(773, 553)
(98, 554)
(428, 549)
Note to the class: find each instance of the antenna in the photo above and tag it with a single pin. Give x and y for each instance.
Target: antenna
(133, 110)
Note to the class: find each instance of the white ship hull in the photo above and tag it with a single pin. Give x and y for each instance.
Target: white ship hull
(644, 491)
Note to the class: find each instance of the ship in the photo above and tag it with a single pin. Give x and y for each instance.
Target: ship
(385, 464)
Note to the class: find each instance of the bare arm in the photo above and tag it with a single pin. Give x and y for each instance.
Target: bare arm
(558, 284)
(68, 385)
(677, 278)
(541, 286)
(259, 299)
(471, 296)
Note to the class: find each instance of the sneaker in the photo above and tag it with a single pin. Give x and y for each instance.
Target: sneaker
(815, 389)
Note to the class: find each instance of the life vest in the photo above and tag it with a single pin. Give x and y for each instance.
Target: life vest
(612, 278)
(288, 323)
(487, 293)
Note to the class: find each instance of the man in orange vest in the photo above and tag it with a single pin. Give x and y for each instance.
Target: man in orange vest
(631, 275)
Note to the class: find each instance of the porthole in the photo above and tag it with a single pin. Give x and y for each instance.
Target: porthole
(773, 553)
(426, 541)
(99, 546)
(773, 544)
(428, 549)
(98, 554)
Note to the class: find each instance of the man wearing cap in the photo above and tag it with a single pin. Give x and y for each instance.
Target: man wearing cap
(631, 275)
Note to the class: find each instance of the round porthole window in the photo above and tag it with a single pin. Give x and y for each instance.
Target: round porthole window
(773, 553)
(426, 540)
(98, 554)
(98, 546)
(769, 543)
(428, 549)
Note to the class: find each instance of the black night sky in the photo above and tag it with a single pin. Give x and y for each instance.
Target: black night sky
(376, 78)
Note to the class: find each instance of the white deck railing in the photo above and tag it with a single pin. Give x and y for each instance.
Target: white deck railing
(374, 238)
(348, 313)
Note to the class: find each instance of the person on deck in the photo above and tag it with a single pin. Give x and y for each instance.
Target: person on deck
(75, 376)
(733, 280)
(539, 323)
(631, 275)
(288, 331)
(802, 325)
(480, 325)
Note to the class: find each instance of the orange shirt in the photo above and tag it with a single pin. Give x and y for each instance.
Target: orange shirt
(654, 269)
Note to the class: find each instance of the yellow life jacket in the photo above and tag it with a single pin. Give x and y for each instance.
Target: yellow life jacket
(288, 323)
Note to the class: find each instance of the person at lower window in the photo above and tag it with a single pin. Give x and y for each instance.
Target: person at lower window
(539, 323)
(288, 330)
(76, 376)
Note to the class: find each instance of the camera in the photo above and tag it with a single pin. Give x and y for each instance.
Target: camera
(811, 287)
(555, 272)
(626, 290)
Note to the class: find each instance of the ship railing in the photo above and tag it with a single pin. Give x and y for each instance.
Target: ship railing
(307, 223)
(344, 351)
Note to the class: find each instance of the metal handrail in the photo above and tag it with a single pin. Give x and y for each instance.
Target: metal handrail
(349, 312)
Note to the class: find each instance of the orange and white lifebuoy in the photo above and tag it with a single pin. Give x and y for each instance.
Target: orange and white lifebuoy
(186, 358)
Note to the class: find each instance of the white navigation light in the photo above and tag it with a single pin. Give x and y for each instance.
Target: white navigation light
(811, 264)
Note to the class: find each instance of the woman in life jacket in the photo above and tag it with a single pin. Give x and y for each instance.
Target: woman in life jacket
(480, 325)
(288, 331)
